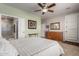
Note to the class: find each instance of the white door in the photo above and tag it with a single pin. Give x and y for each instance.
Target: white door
(21, 28)
(71, 27)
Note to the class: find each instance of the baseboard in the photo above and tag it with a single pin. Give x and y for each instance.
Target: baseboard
(72, 43)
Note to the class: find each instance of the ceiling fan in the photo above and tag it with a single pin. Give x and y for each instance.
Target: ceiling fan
(45, 7)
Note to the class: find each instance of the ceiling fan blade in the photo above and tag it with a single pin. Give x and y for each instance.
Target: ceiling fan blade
(44, 3)
(51, 5)
(43, 13)
(37, 10)
(40, 5)
(51, 11)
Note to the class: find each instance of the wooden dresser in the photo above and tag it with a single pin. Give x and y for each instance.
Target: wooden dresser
(54, 35)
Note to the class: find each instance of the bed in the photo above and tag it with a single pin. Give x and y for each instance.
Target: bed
(7, 49)
(36, 46)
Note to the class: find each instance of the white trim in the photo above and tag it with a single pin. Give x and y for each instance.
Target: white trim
(19, 18)
(11, 15)
(0, 27)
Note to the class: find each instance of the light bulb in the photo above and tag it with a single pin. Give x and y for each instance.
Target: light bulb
(44, 10)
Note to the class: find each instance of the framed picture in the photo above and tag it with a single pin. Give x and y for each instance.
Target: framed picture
(32, 24)
(55, 26)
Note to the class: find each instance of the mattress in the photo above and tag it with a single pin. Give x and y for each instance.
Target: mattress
(36, 46)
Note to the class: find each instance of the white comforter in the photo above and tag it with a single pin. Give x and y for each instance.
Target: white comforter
(37, 46)
(6, 49)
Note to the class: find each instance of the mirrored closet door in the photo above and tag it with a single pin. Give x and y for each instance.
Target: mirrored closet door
(9, 27)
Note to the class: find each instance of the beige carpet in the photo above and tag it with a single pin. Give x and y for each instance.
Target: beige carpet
(70, 50)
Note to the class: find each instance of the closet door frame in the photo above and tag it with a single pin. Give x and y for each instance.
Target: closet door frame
(0, 27)
(66, 38)
(15, 26)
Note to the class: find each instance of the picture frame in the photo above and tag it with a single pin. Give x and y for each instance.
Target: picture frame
(55, 26)
(32, 24)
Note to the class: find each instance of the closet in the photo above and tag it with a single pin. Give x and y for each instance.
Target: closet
(8, 27)
(72, 27)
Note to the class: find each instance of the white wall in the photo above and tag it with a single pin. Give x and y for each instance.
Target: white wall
(25, 16)
(0, 27)
(21, 28)
(43, 30)
(57, 19)
(78, 26)
(60, 19)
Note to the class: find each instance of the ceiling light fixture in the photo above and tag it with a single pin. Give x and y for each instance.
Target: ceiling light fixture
(44, 10)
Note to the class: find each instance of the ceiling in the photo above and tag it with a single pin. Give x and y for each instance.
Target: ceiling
(59, 9)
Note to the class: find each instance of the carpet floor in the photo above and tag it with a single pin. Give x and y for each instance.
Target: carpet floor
(70, 50)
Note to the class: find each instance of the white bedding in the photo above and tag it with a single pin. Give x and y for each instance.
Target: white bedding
(37, 46)
(6, 49)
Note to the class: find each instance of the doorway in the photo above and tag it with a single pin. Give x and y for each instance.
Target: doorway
(9, 27)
